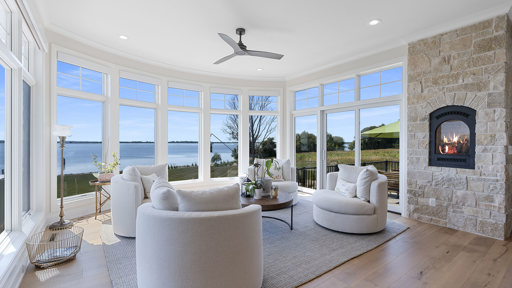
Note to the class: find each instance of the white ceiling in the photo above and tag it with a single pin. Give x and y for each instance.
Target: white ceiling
(311, 34)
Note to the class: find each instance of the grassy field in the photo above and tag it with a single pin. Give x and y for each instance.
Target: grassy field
(308, 159)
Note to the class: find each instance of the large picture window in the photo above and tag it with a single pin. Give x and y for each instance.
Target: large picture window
(136, 136)
(340, 139)
(86, 119)
(224, 145)
(183, 145)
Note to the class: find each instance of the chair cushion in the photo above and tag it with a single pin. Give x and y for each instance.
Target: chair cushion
(132, 174)
(349, 173)
(147, 183)
(215, 199)
(335, 202)
(163, 195)
(345, 188)
(364, 181)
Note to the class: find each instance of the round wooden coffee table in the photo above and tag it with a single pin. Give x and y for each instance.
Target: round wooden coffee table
(284, 200)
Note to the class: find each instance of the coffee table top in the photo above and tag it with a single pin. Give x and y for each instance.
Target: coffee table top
(284, 200)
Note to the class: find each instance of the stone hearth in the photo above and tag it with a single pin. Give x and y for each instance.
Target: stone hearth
(470, 66)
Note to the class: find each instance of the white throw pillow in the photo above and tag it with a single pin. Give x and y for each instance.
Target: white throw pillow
(276, 170)
(159, 170)
(345, 188)
(147, 182)
(215, 199)
(349, 173)
(163, 195)
(132, 174)
(364, 181)
(286, 167)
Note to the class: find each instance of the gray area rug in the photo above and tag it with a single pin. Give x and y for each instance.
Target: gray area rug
(291, 258)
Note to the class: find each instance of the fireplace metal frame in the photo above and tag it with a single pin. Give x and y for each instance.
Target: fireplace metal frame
(452, 112)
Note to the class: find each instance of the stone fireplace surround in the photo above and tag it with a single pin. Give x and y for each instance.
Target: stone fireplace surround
(469, 66)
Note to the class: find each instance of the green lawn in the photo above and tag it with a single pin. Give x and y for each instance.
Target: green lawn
(308, 159)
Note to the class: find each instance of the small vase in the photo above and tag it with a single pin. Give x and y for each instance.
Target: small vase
(105, 177)
(258, 193)
(267, 186)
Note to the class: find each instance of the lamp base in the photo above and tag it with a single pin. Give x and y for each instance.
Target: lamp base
(59, 225)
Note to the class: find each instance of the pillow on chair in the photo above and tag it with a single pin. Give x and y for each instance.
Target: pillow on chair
(215, 199)
(346, 189)
(147, 183)
(158, 170)
(130, 173)
(349, 173)
(163, 195)
(364, 181)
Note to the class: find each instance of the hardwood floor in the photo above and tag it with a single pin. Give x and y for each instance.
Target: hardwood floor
(423, 256)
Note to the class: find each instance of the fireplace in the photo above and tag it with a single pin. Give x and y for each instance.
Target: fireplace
(452, 137)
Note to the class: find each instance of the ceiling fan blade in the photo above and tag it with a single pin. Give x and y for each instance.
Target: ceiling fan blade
(230, 42)
(225, 58)
(264, 54)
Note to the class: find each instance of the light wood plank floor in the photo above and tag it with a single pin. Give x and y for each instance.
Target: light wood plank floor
(423, 256)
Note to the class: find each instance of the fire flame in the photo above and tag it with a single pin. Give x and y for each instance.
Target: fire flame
(455, 144)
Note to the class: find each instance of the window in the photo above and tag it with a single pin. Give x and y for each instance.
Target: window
(25, 193)
(25, 52)
(5, 23)
(340, 139)
(136, 136)
(305, 150)
(339, 92)
(223, 145)
(182, 97)
(183, 145)
(381, 84)
(3, 147)
(136, 90)
(79, 78)
(263, 103)
(86, 119)
(224, 101)
(306, 98)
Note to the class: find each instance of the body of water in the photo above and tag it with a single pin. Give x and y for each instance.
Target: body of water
(79, 155)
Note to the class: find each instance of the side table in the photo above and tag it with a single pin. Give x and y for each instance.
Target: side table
(99, 189)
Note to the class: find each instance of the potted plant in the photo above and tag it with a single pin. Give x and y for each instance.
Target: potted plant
(255, 187)
(105, 170)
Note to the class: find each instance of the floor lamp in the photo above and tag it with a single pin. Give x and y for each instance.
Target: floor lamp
(61, 131)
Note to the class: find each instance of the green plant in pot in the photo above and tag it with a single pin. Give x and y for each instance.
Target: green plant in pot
(255, 187)
(105, 170)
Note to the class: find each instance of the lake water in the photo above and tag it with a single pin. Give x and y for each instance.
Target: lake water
(79, 160)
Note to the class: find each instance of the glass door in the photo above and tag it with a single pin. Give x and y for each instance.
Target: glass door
(305, 150)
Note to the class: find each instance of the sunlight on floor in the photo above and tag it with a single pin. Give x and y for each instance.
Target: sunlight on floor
(46, 274)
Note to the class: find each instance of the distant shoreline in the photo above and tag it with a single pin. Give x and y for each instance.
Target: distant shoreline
(141, 142)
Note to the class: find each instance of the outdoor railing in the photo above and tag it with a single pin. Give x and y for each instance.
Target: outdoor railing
(306, 176)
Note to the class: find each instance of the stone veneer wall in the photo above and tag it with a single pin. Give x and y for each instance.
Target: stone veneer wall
(469, 66)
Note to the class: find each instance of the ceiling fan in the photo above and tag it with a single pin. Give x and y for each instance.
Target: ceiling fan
(241, 50)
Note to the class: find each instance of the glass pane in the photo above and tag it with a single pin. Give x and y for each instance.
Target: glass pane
(92, 75)
(391, 89)
(299, 95)
(123, 82)
(183, 97)
(85, 117)
(136, 136)
(305, 150)
(262, 137)
(370, 79)
(183, 145)
(191, 102)
(348, 84)
(147, 87)
(370, 92)
(190, 93)
(127, 93)
(391, 75)
(302, 104)
(2, 148)
(310, 96)
(92, 87)
(380, 138)
(146, 96)
(347, 97)
(25, 193)
(331, 99)
(173, 100)
(67, 81)
(215, 96)
(313, 102)
(340, 139)
(331, 88)
(66, 68)
(217, 104)
(223, 145)
(174, 91)
(263, 103)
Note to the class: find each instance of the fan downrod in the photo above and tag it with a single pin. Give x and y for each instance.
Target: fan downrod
(240, 32)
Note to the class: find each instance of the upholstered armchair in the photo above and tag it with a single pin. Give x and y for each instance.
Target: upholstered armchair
(286, 181)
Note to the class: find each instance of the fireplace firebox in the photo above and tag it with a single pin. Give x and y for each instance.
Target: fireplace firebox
(452, 137)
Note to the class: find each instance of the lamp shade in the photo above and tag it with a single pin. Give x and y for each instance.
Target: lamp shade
(62, 130)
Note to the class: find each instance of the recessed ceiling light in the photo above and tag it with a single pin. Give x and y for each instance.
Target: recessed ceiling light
(375, 22)
(260, 69)
(124, 37)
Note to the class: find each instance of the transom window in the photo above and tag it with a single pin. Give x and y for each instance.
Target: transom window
(136, 90)
(182, 97)
(79, 78)
(224, 101)
(307, 98)
(263, 103)
(381, 84)
(339, 92)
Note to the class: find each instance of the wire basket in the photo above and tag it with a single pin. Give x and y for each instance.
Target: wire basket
(51, 247)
